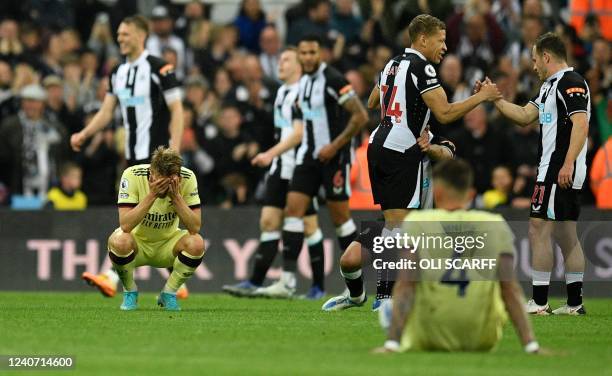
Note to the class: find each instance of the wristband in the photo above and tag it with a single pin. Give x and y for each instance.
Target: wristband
(392, 345)
(532, 347)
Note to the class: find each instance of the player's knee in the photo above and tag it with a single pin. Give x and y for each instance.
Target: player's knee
(121, 242)
(351, 259)
(310, 225)
(537, 229)
(339, 217)
(268, 223)
(194, 245)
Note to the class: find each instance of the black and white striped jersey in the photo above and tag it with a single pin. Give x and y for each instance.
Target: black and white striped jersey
(404, 114)
(322, 95)
(562, 95)
(285, 112)
(144, 88)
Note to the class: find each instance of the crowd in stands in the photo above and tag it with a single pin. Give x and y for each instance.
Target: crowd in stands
(55, 57)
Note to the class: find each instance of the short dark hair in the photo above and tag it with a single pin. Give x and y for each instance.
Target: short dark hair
(66, 167)
(456, 174)
(311, 38)
(551, 43)
(139, 21)
(424, 24)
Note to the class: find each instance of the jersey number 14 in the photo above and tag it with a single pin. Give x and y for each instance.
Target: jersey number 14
(393, 109)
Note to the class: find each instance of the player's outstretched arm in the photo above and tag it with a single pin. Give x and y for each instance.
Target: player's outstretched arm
(374, 98)
(523, 116)
(264, 159)
(359, 117)
(514, 301)
(99, 121)
(446, 112)
(176, 125)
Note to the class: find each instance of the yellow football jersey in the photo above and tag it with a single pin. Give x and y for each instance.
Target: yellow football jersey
(161, 222)
(457, 308)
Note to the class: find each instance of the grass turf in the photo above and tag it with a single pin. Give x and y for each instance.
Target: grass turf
(216, 334)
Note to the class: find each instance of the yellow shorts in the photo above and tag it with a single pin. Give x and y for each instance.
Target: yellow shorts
(157, 254)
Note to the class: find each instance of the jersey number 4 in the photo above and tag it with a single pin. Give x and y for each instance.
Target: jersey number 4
(393, 109)
(461, 280)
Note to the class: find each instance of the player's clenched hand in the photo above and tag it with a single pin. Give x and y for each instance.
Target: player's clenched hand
(262, 160)
(423, 140)
(327, 152)
(77, 140)
(490, 92)
(478, 85)
(565, 176)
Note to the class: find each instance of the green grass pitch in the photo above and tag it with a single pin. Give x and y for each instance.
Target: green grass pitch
(216, 335)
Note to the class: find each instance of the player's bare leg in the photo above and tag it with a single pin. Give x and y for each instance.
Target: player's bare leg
(189, 252)
(540, 232)
(566, 236)
(350, 268)
(122, 252)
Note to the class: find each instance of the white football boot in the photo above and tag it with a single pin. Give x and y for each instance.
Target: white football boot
(571, 311)
(284, 288)
(535, 309)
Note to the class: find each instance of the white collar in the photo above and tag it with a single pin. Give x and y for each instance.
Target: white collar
(410, 50)
(559, 74)
(140, 58)
(319, 71)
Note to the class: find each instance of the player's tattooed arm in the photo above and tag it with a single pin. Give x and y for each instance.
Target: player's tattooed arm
(513, 298)
(403, 301)
(359, 117)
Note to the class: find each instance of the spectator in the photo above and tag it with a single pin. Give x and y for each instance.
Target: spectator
(250, 22)
(451, 78)
(56, 109)
(30, 146)
(161, 36)
(316, 22)
(223, 83)
(101, 39)
(501, 194)
(7, 101)
(601, 176)
(204, 102)
(198, 43)
(361, 196)
(483, 146)
(52, 55)
(68, 195)
(346, 22)
(270, 44)
(223, 43)
(99, 159)
(508, 16)
(194, 12)
(11, 48)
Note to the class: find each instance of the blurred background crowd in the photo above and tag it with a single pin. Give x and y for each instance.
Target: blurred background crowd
(55, 57)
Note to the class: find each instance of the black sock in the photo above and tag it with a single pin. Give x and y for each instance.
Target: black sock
(354, 282)
(292, 244)
(540, 294)
(264, 256)
(574, 294)
(317, 264)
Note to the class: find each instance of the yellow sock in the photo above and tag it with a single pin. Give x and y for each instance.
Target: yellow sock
(182, 269)
(124, 266)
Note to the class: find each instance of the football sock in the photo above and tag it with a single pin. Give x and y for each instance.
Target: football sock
(540, 284)
(573, 282)
(354, 283)
(317, 260)
(346, 232)
(182, 269)
(124, 267)
(112, 276)
(264, 256)
(293, 237)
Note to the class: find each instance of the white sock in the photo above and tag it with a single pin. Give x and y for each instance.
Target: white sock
(540, 278)
(288, 278)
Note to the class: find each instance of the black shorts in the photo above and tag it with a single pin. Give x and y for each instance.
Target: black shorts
(396, 178)
(275, 195)
(309, 176)
(551, 202)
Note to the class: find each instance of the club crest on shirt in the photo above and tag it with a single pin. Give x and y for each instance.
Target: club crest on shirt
(124, 184)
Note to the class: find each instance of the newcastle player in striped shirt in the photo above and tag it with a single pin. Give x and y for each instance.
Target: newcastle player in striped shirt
(149, 95)
(332, 116)
(563, 107)
(289, 128)
(408, 90)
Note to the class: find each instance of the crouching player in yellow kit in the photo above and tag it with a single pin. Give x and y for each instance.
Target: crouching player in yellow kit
(456, 309)
(152, 199)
